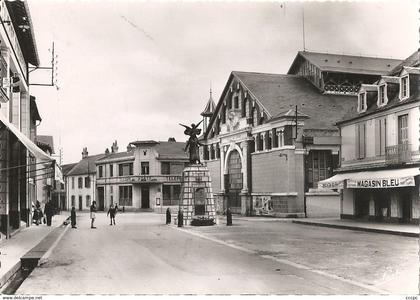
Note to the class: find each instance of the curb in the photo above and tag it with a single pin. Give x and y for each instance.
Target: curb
(349, 227)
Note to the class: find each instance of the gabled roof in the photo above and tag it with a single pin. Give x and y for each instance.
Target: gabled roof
(347, 63)
(116, 156)
(411, 61)
(279, 94)
(86, 165)
(67, 168)
(20, 16)
(171, 150)
(45, 141)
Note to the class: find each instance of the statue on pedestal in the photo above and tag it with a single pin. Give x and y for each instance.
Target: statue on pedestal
(193, 143)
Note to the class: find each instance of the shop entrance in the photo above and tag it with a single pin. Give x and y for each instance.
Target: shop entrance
(361, 202)
(145, 197)
(382, 205)
(405, 207)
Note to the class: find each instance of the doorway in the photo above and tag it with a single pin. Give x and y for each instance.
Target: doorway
(406, 206)
(145, 197)
(101, 198)
(362, 203)
(80, 202)
(233, 180)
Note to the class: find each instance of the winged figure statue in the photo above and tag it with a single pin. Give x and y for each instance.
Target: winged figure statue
(193, 143)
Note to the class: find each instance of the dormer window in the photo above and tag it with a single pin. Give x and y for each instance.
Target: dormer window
(382, 95)
(404, 88)
(362, 102)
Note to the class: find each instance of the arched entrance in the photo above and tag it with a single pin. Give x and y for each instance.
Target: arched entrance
(233, 181)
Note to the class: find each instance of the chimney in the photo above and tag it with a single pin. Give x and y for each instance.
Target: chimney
(114, 148)
(85, 153)
(106, 151)
(171, 139)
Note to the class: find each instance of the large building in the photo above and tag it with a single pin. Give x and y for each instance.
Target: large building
(145, 177)
(379, 171)
(20, 158)
(271, 137)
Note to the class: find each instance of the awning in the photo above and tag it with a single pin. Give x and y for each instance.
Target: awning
(372, 179)
(40, 155)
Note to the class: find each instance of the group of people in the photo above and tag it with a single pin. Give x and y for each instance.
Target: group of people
(112, 211)
(38, 216)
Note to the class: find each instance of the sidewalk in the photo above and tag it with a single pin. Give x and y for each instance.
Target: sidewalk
(14, 248)
(410, 230)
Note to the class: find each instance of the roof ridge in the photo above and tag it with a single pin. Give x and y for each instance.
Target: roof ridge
(350, 55)
(261, 73)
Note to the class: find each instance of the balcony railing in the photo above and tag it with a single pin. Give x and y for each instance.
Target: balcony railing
(398, 154)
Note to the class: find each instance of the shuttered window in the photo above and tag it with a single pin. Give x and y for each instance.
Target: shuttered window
(380, 136)
(360, 140)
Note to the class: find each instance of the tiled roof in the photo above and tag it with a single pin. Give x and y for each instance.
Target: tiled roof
(411, 61)
(348, 63)
(67, 168)
(209, 109)
(116, 156)
(174, 150)
(86, 165)
(279, 93)
(46, 140)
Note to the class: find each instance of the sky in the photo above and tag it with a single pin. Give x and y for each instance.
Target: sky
(133, 70)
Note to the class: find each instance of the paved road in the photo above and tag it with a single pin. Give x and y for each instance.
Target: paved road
(142, 256)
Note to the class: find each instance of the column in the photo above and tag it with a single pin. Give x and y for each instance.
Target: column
(4, 197)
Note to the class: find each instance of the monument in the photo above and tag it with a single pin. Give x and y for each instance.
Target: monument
(196, 202)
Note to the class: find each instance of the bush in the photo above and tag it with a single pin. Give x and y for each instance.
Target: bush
(202, 221)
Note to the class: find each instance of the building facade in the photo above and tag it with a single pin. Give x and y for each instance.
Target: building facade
(271, 137)
(379, 171)
(145, 177)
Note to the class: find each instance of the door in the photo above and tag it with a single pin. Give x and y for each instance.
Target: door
(80, 202)
(362, 204)
(233, 180)
(405, 206)
(101, 198)
(145, 199)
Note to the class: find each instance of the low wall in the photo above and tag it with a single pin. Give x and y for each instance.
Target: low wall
(322, 204)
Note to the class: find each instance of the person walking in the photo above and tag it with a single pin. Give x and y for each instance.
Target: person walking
(168, 216)
(93, 214)
(73, 217)
(112, 212)
(49, 212)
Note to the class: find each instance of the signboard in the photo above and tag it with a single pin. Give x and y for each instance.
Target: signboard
(382, 183)
(332, 185)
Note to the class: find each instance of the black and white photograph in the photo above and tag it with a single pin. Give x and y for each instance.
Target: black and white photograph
(209, 148)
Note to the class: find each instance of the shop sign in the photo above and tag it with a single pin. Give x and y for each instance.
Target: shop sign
(332, 185)
(380, 183)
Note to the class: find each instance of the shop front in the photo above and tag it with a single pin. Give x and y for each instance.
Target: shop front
(390, 195)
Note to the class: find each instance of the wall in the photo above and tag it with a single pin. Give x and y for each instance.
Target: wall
(81, 192)
(323, 204)
(214, 169)
(347, 203)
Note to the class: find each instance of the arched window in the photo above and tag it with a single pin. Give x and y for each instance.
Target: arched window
(212, 152)
(223, 114)
(243, 109)
(254, 117)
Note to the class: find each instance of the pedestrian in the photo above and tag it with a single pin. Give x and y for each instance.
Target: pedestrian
(92, 214)
(73, 217)
(49, 212)
(111, 213)
(168, 216)
(37, 217)
(116, 208)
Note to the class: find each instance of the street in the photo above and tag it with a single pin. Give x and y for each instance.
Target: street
(141, 255)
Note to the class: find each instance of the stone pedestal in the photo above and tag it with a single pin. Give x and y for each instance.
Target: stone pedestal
(197, 200)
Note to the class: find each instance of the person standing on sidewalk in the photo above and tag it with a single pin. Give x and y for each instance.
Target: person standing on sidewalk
(48, 210)
(73, 217)
(112, 212)
(92, 214)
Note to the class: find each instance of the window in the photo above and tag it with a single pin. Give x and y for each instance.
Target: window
(268, 140)
(382, 99)
(319, 166)
(125, 169)
(403, 129)
(212, 152)
(62, 186)
(275, 138)
(360, 141)
(404, 88)
(206, 152)
(171, 194)
(288, 135)
(224, 114)
(362, 102)
(72, 182)
(87, 201)
(165, 168)
(87, 182)
(217, 151)
(126, 195)
(236, 101)
(380, 136)
(73, 200)
(244, 108)
(101, 172)
(111, 189)
(254, 117)
(229, 103)
(111, 170)
(80, 183)
(145, 168)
